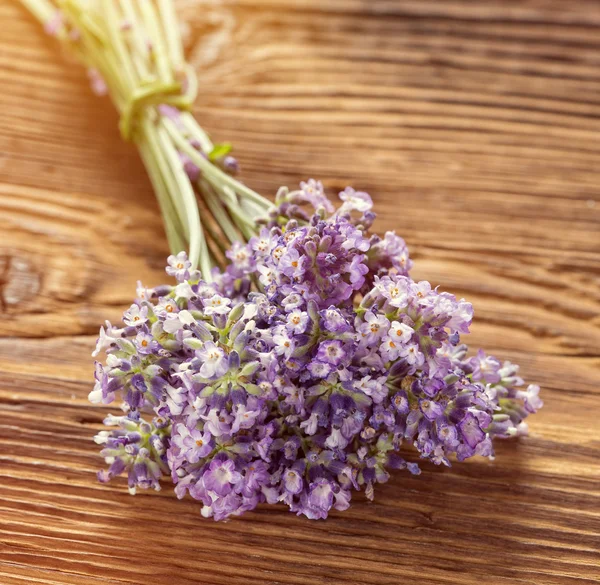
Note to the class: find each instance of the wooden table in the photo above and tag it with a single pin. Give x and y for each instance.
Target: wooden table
(476, 127)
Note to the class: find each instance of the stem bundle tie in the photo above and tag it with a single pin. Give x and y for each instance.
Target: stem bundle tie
(147, 95)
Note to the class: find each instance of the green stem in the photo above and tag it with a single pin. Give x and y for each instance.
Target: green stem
(171, 220)
(136, 47)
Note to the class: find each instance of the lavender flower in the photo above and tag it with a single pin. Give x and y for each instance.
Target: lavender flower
(296, 374)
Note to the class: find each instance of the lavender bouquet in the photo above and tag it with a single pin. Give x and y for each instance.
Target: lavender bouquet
(294, 355)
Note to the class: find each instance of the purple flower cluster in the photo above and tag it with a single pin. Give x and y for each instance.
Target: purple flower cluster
(297, 373)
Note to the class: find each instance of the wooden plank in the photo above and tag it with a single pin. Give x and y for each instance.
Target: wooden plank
(474, 126)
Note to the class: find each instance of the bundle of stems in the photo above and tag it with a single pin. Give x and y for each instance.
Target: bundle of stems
(133, 51)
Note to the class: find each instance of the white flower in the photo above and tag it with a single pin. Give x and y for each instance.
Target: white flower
(205, 290)
(175, 399)
(390, 347)
(355, 200)
(105, 339)
(400, 332)
(240, 256)
(412, 354)
(395, 291)
(531, 398)
(297, 321)
(142, 292)
(179, 266)
(215, 360)
(292, 301)
(422, 290)
(283, 344)
(373, 387)
(184, 291)
(244, 418)
(374, 327)
(177, 321)
(165, 307)
(262, 245)
(216, 305)
(461, 317)
(312, 187)
(217, 423)
(267, 276)
(135, 316)
(278, 253)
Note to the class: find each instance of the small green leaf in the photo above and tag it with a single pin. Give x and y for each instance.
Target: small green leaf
(219, 151)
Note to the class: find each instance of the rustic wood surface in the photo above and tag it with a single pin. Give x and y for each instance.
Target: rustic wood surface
(476, 127)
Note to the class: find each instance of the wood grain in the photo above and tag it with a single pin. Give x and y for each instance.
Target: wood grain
(476, 127)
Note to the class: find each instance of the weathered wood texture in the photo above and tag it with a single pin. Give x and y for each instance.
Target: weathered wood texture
(476, 127)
